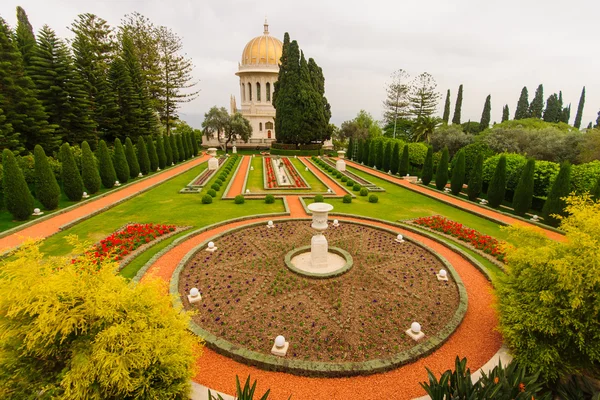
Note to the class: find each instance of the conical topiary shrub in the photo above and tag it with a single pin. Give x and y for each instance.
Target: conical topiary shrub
(106, 167)
(180, 148)
(195, 148)
(476, 179)
(152, 154)
(555, 205)
(168, 150)
(427, 172)
(46, 189)
(404, 162)
(132, 160)
(71, 179)
(395, 158)
(89, 169)
(120, 162)
(174, 149)
(441, 175)
(458, 173)
(523, 195)
(17, 197)
(160, 152)
(143, 158)
(497, 186)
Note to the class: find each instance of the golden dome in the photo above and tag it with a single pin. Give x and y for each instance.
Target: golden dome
(262, 50)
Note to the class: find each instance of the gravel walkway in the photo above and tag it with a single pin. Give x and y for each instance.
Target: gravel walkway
(238, 180)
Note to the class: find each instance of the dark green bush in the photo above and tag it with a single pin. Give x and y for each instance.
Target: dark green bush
(319, 198)
(215, 187)
(89, 169)
(559, 190)
(441, 175)
(497, 187)
(120, 162)
(152, 155)
(219, 181)
(239, 199)
(427, 172)
(132, 160)
(458, 173)
(47, 190)
(523, 195)
(207, 199)
(338, 175)
(350, 182)
(143, 158)
(404, 160)
(168, 150)
(344, 178)
(17, 197)
(356, 187)
(373, 198)
(105, 165)
(364, 191)
(174, 149)
(476, 179)
(71, 179)
(347, 199)
(269, 199)
(160, 152)
(180, 149)
(211, 193)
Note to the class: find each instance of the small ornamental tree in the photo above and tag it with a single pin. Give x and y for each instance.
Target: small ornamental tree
(180, 148)
(524, 192)
(143, 158)
(107, 169)
(395, 160)
(555, 203)
(89, 169)
(548, 299)
(168, 150)
(427, 172)
(120, 162)
(387, 156)
(476, 178)
(71, 179)
(497, 186)
(195, 148)
(458, 173)
(174, 149)
(160, 152)
(17, 197)
(404, 162)
(152, 155)
(441, 175)
(132, 160)
(47, 190)
(97, 336)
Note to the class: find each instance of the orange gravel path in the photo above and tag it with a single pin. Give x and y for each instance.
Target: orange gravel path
(50, 226)
(238, 180)
(454, 201)
(337, 189)
(295, 207)
(476, 339)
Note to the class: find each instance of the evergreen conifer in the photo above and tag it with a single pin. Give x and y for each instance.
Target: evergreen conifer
(395, 161)
(555, 205)
(180, 148)
(71, 179)
(152, 155)
(476, 178)
(522, 110)
(350, 148)
(160, 152)
(194, 139)
(168, 150)
(89, 169)
(47, 190)
(366, 150)
(497, 186)
(359, 150)
(537, 104)
(446, 116)
(579, 115)
(105, 164)
(387, 156)
(17, 197)
(132, 160)
(441, 175)
(523, 195)
(404, 162)
(505, 113)
(174, 149)
(143, 158)
(120, 162)
(458, 173)
(486, 115)
(427, 172)
(458, 106)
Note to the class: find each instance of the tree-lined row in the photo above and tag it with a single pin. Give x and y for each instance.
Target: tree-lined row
(106, 168)
(105, 83)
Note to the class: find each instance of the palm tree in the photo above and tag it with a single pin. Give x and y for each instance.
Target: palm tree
(424, 127)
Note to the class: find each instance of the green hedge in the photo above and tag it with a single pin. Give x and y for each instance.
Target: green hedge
(285, 146)
(280, 152)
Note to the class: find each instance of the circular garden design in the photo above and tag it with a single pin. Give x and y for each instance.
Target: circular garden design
(356, 321)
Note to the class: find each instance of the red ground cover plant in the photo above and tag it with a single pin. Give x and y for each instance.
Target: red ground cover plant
(478, 240)
(271, 182)
(294, 174)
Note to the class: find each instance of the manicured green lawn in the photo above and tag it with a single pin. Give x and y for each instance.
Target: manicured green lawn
(256, 183)
(309, 176)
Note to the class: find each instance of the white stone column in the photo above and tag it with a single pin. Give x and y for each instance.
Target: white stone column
(318, 244)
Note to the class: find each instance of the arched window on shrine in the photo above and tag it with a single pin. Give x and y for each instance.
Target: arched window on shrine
(268, 87)
(257, 91)
(249, 92)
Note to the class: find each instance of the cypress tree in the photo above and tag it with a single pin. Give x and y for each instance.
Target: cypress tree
(366, 150)
(194, 143)
(476, 178)
(458, 173)
(190, 145)
(579, 115)
(458, 106)
(560, 189)
(89, 169)
(441, 175)
(120, 162)
(71, 179)
(395, 161)
(184, 142)
(380, 154)
(174, 149)
(537, 104)
(404, 162)
(595, 193)
(24, 37)
(160, 152)
(446, 116)
(132, 160)
(553, 109)
(17, 197)
(427, 172)
(47, 190)
(598, 121)
(129, 115)
(522, 110)
(372, 153)
(523, 195)
(387, 156)
(486, 115)
(143, 158)
(566, 114)
(497, 186)
(105, 164)
(350, 148)
(505, 113)
(359, 150)
(152, 155)
(180, 148)
(168, 150)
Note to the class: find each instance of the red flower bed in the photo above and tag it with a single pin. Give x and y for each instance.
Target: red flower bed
(294, 174)
(125, 241)
(478, 240)
(271, 182)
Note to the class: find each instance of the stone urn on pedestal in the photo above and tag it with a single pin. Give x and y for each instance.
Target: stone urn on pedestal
(213, 162)
(318, 244)
(340, 164)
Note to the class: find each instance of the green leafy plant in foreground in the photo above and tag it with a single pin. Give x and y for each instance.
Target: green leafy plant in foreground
(245, 393)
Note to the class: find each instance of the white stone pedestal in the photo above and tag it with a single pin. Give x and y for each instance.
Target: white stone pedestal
(213, 164)
(234, 150)
(280, 351)
(340, 165)
(318, 251)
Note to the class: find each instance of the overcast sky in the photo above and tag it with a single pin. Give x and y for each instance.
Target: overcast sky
(491, 47)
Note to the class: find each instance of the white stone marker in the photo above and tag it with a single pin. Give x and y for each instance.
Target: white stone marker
(340, 164)
(247, 191)
(415, 331)
(280, 347)
(234, 150)
(140, 175)
(336, 223)
(399, 239)
(483, 202)
(117, 183)
(318, 244)
(194, 296)
(213, 162)
(85, 195)
(270, 224)
(442, 275)
(535, 218)
(211, 247)
(37, 211)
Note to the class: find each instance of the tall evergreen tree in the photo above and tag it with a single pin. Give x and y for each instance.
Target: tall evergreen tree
(128, 119)
(132, 160)
(497, 186)
(579, 115)
(395, 159)
(349, 151)
(105, 165)
(180, 148)
(160, 152)
(387, 156)
(553, 109)
(458, 173)
(152, 154)
(523, 195)
(186, 148)
(446, 116)
(476, 178)
(168, 150)
(396, 104)
(537, 104)
(287, 76)
(458, 106)
(423, 97)
(505, 113)
(486, 115)
(194, 139)
(522, 110)
(89, 169)
(598, 120)
(120, 162)
(404, 162)
(71, 179)
(380, 154)
(359, 150)
(17, 197)
(23, 111)
(365, 153)
(25, 37)
(318, 83)
(372, 153)
(47, 190)
(427, 172)
(555, 203)
(566, 114)
(174, 149)
(441, 175)
(143, 158)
